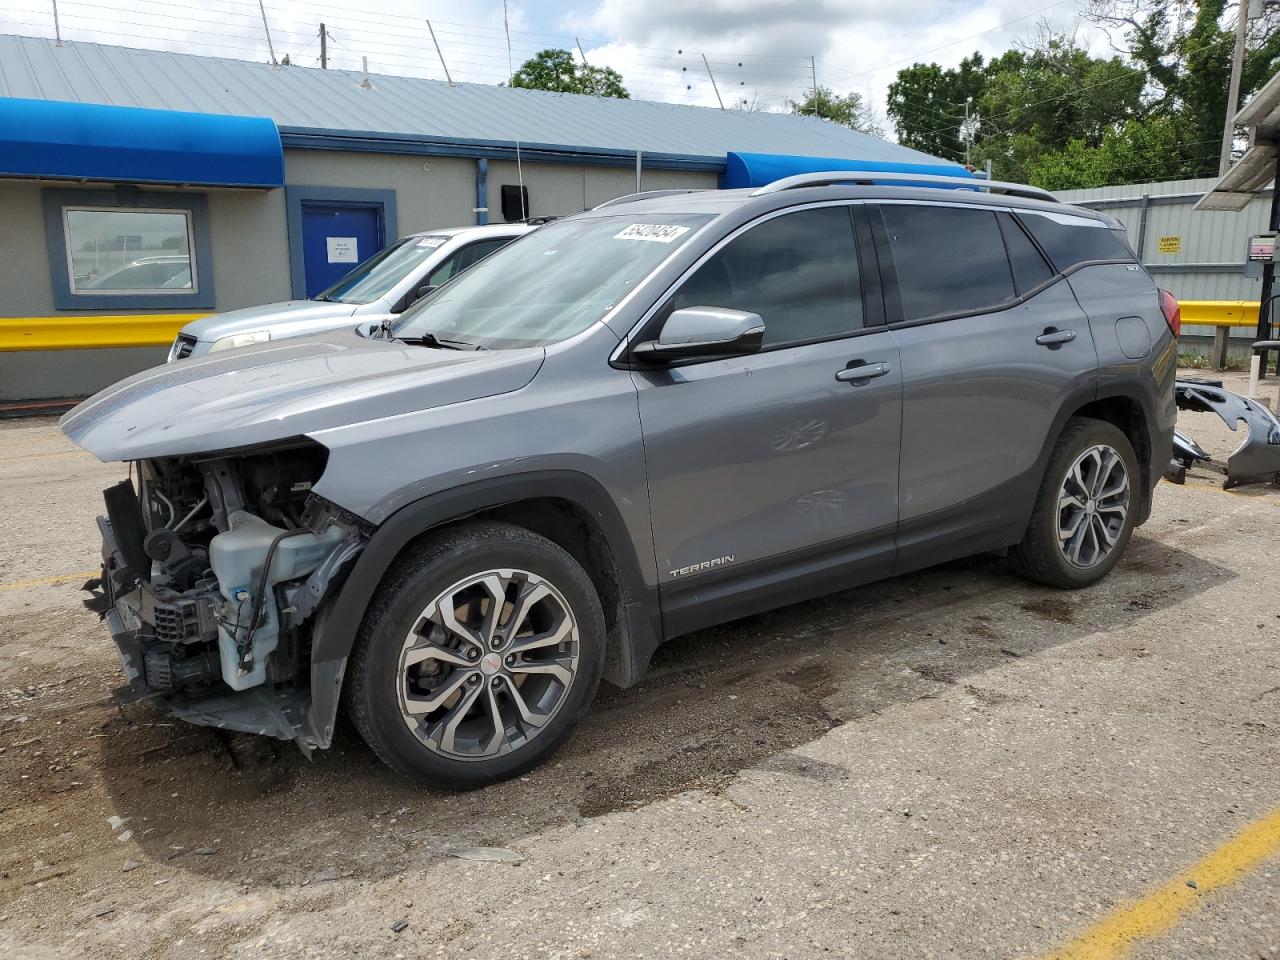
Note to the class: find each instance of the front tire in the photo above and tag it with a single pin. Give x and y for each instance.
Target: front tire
(481, 651)
(1086, 509)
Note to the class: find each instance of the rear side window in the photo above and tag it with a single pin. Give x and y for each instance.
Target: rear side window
(1072, 240)
(949, 260)
(1029, 268)
(799, 272)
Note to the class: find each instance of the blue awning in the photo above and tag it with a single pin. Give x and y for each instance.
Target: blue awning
(760, 169)
(91, 141)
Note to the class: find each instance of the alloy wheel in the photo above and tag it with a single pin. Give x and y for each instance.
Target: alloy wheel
(487, 664)
(1093, 504)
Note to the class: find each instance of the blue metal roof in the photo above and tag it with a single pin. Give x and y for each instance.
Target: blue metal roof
(333, 109)
(87, 141)
(759, 169)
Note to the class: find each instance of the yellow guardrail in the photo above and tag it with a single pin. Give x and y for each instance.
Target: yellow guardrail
(1219, 313)
(87, 333)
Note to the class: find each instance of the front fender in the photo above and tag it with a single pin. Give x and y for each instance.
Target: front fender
(339, 620)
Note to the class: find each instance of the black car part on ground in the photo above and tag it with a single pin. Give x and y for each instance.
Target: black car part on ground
(1256, 460)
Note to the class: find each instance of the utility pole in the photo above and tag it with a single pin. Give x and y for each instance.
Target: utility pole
(968, 133)
(57, 30)
(324, 48)
(813, 73)
(438, 53)
(707, 64)
(1233, 92)
(267, 31)
(586, 65)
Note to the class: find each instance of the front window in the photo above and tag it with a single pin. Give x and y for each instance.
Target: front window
(129, 251)
(377, 276)
(552, 284)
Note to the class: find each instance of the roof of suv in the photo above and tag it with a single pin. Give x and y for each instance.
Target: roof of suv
(722, 201)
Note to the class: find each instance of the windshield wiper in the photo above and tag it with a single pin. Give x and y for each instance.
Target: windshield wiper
(431, 340)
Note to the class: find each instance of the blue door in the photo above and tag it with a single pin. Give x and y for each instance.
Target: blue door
(336, 237)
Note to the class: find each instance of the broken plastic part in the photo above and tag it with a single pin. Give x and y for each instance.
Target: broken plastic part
(1256, 460)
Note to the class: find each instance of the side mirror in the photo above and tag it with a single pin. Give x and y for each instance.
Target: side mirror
(703, 332)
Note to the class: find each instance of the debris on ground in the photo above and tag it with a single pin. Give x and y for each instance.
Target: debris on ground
(490, 854)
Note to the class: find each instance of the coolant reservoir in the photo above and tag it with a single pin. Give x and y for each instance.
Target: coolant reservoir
(236, 558)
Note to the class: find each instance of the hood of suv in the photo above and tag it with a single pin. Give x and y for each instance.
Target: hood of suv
(279, 390)
(266, 316)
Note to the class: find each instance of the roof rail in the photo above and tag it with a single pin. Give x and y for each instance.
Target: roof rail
(874, 177)
(645, 195)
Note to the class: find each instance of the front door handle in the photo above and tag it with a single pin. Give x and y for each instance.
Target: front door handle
(1055, 338)
(857, 372)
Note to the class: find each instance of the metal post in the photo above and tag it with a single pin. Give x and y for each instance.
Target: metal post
(639, 169)
(1269, 271)
(813, 73)
(324, 48)
(1233, 92)
(364, 66)
(988, 165)
(57, 29)
(713, 80)
(268, 31)
(439, 54)
(967, 102)
(1143, 212)
(482, 191)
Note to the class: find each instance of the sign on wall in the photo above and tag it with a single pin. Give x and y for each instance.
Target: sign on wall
(342, 250)
(1170, 244)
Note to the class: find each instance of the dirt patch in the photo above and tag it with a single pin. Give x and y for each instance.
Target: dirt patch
(1050, 607)
(713, 762)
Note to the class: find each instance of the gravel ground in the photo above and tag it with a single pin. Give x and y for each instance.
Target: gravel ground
(951, 764)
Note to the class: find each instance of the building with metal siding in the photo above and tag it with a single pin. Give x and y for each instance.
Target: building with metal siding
(410, 153)
(1203, 254)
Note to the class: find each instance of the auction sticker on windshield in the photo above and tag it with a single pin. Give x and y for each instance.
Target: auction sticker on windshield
(656, 232)
(432, 242)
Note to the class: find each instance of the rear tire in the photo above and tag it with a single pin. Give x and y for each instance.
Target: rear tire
(479, 654)
(1086, 508)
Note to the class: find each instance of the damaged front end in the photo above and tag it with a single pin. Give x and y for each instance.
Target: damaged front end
(1256, 460)
(213, 570)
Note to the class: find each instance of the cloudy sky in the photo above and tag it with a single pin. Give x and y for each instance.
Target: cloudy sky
(757, 50)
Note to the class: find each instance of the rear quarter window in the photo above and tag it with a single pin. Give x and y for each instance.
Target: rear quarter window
(949, 260)
(1070, 240)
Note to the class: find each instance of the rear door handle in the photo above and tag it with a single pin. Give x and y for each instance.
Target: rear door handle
(1055, 338)
(862, 371)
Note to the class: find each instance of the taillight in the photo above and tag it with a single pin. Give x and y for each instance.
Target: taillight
(1172, 312)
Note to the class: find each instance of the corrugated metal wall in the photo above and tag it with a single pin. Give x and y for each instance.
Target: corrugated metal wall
(1209, 260)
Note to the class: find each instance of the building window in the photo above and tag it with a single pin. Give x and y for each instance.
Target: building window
(129, 251)
(125, 250)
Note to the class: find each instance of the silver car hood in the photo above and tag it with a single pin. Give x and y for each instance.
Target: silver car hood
(249, 319)
(278, 390)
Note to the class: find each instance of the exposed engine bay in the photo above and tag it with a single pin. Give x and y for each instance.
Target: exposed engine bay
(213, 569)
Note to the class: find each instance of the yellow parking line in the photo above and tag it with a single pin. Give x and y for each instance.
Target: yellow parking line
(1115, 935)
(43, 581)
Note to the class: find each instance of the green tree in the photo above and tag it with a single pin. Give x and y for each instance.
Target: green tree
(1037, 103)
(927, 102)
(1138, 150)
(1186, 48)
(557, 71)
(848, 111)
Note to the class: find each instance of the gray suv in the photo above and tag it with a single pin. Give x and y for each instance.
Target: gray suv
(665, 413)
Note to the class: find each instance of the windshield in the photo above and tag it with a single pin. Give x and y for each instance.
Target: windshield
(549, 285)
(377, 275)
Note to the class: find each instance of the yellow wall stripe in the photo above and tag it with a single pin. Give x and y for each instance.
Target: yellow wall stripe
(159, 329)
(81, 333)
(1114, 936)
